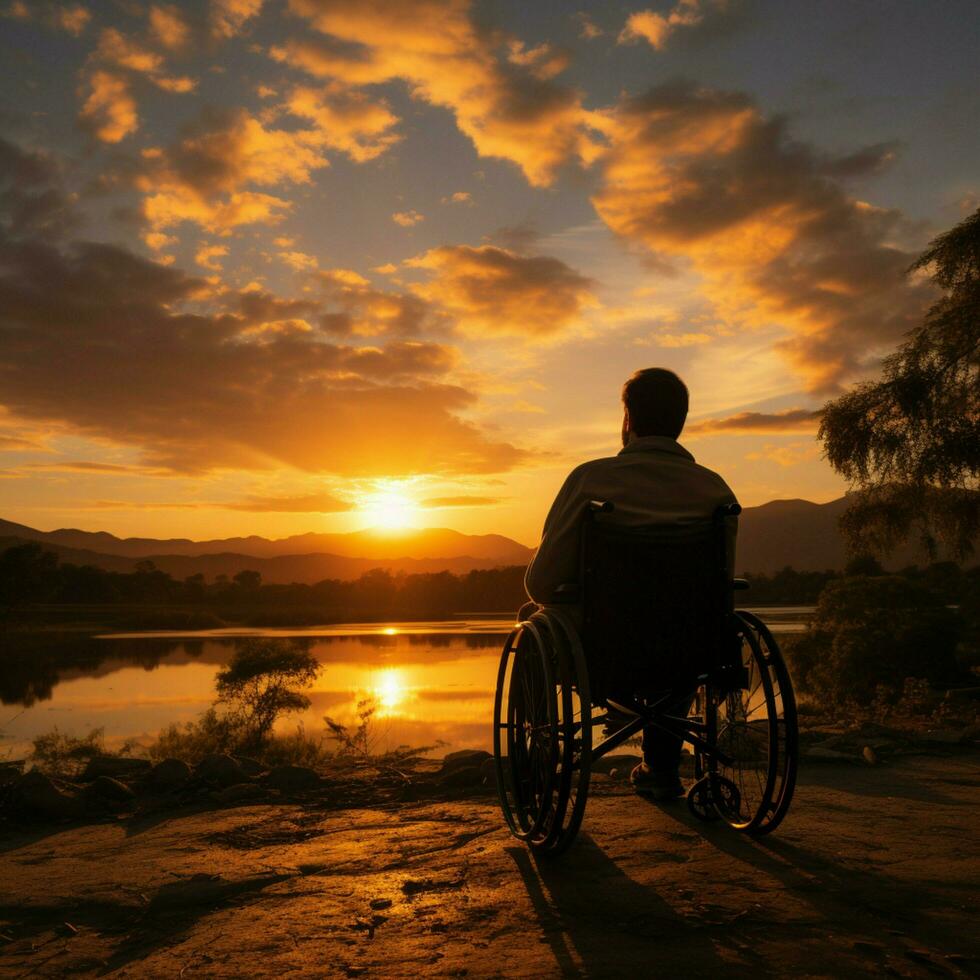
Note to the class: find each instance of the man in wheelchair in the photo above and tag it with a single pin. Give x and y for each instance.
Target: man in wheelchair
(653, 481)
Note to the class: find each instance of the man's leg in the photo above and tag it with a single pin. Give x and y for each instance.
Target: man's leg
(658, 775)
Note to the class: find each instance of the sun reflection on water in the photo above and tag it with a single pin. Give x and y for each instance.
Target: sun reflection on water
(390, 690)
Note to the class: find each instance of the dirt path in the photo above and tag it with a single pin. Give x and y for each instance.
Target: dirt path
(875, 872)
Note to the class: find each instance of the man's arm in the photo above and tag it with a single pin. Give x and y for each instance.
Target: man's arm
(557, 557)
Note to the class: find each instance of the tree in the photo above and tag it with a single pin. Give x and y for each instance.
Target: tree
(28, 574)
(260, 683)
(869, 633)
(910, 443)
(247, 580)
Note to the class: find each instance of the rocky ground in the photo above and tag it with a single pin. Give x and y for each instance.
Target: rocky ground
(874, 872)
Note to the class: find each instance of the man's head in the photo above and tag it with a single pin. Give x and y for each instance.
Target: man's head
(655, 403)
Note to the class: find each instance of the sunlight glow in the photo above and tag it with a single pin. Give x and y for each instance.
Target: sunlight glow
(390, 508)
(389, 689)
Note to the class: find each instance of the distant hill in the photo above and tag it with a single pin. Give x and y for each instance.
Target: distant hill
(420, 543)
(283, 569)
(783, 532)
(804, 535)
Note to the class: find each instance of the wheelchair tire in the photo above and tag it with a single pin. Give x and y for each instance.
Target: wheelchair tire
(753, 775)
(525, 732)
(542, 733)
(787, 755)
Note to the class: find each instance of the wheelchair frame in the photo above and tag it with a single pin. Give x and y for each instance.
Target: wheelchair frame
(543, 776)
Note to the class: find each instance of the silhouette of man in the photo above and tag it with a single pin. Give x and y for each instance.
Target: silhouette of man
(652, 480)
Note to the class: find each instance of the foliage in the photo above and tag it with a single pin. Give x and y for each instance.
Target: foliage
(359, 742)
(30, 575)
(260, 684)
(66, 755)
(910, 443)
(194, 740)
(870, 633)
(27, 574)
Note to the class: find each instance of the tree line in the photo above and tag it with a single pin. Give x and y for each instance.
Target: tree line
(31, 576)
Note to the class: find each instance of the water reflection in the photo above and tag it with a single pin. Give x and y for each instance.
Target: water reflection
(432, 681)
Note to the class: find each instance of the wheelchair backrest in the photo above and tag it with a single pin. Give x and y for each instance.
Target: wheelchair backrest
(657, 606)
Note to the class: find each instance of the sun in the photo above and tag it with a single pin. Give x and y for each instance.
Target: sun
(390, 509)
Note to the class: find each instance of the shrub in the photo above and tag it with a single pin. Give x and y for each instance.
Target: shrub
(260, 684)
(871, 633)
(66, 755)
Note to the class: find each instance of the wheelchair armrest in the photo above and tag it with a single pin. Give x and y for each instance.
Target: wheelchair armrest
(567, 592)
(739, 584)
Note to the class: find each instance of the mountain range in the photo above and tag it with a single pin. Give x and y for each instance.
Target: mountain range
(780, 533)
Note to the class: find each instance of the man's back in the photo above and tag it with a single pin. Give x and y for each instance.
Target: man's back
(653, 480)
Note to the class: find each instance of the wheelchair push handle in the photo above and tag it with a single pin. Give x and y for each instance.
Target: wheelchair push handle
(601, 506)
(729, 510)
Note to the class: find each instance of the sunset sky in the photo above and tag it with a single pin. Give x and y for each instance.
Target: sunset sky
(318, 264)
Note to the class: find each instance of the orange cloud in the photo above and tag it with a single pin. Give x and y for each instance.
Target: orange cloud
(355, 308)
(109, 110)
(501, 94)
(786, 456)
(101, 341)
(207, 254)
(407, 218)
(685, 15)
(229, 17)
(168, 26)
(490, 290)
(702, 175)
(749, 423)
(463, 500)
(345, 120)
(316, 503)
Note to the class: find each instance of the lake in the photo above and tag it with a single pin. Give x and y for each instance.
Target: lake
(433, 682)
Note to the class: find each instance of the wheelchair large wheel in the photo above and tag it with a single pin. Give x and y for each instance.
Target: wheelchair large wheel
(542, 733)
(783, 701)
(749, 782)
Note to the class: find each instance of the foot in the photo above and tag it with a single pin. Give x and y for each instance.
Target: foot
(656, 785)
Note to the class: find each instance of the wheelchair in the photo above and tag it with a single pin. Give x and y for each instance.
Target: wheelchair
(660, 645)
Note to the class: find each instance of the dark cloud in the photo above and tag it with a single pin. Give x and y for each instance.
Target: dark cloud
(119, 347)
(32, 201)
(700, 174)
(502, 93)
(490, 290)
(746, 423)
(519, 238)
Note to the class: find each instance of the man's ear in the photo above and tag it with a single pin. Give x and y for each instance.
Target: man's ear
(626, 425)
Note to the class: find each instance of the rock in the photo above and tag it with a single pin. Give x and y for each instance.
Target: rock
(239, 793)
(869, 755)
(291, 779)
(944, 736)
(38, 796)
(222, 770)
(169, 774)
(462, 776)
(115, 767)
(381, 903)
(111, 789)
(11, 771)
(251, 767)
(970, 734)
(465, 758)
(829, 743)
